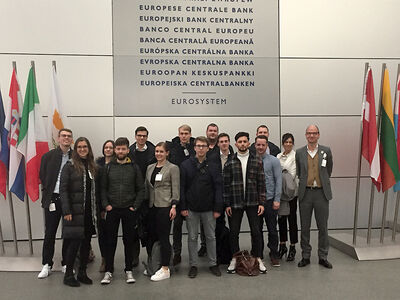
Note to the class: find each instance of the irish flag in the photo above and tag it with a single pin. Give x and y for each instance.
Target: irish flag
(389, 165)
(32, 140)
(56, 117)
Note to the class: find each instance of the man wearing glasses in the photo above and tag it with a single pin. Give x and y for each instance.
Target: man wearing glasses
(314, 168)
(201, 200)
(50, 172)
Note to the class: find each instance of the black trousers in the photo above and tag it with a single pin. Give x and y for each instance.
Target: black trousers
(292, 219)
(177, 233)
(129, 236)
(101, 235)
(271, 219)
(75, 245)
(159, 227)
(51, 222)
(254, 222)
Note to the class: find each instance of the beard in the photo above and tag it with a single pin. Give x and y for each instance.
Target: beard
(121, 156)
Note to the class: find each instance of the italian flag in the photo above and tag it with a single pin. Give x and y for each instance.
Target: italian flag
(390, 173)
(32, 140)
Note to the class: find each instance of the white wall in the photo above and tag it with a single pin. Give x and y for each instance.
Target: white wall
(323, 48)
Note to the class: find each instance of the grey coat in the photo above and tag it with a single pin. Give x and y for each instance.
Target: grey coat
(166, 192)
(324, 171)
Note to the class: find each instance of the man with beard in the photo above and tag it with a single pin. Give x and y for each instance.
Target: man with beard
(122, 192)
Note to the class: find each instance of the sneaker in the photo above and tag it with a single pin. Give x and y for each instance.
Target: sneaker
(129, 277)
(161, 275)
(107, 278)
(275, 262)
(145, 273)
(261, 266)
(192, 272)
(46, 270)
(232, 266)
(215, 270)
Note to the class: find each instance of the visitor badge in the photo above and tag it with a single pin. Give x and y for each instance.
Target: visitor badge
(158, 177)
(186, 151)
(52, 207)
(323, 163)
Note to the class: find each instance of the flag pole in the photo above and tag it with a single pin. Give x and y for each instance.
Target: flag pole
(14, 230)
(28, 213)
(396, 210)
(357, 202)
(382, 237)
(372, 194)
(1, 239)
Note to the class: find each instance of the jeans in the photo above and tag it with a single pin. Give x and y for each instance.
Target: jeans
(51, 222)
(209, 223)
(128, 219)
(254, 222)
(271, 218)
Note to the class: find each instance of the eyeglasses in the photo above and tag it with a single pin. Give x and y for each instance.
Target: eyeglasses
(201, 146)
(312, 133)
(141, 135)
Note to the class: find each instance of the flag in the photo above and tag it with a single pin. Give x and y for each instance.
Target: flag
(390, 173)
(370, 146)
(16, 169)
(4, 149)
(56, 117)
(396, 187)
(32, 140)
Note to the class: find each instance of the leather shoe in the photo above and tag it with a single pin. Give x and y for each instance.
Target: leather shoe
(304, 262)
(325, 263)
(192, 272)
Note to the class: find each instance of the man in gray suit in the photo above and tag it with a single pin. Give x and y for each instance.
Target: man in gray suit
(314, 167)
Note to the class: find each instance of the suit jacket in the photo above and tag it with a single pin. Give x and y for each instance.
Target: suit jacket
(166, 192)
(324, 172)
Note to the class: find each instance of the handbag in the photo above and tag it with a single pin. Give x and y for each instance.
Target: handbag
(246, 265)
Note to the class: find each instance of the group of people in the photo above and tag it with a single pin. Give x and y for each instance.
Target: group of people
(149, 188)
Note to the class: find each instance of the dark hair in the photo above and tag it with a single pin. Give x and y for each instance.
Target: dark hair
(212, 125)
(77, 161)
(241, 134)
(287, 136)
(104, 145)
(122, 141)
(141, 128)
(202, 139)
(164, 145)
(262, 126)
(261, 137)
(223, 134)
(64, 129)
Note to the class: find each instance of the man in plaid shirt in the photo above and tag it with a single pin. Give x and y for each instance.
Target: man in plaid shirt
(244, 191)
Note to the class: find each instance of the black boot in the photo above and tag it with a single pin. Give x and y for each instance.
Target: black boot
(292, 253)
(82, 277)
(282, 250)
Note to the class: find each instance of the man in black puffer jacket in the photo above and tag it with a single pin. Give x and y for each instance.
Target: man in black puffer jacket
(122, 192)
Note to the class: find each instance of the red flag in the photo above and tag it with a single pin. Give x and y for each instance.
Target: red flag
(370, 146)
